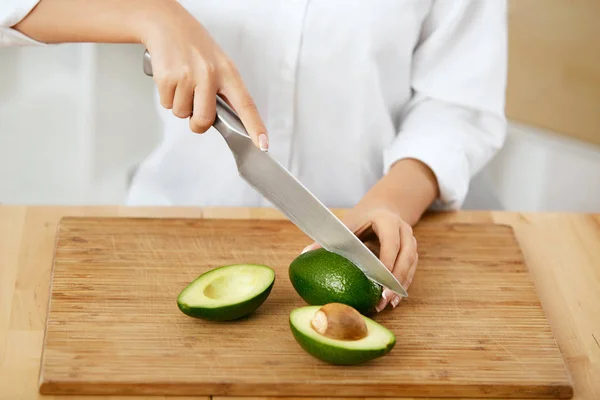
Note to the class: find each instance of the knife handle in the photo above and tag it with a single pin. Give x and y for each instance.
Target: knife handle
(227, 122)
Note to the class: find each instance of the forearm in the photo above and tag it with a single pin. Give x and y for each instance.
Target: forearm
(408, 188)
(93, 21)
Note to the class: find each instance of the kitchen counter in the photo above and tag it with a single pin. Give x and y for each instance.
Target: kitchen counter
(562, 251)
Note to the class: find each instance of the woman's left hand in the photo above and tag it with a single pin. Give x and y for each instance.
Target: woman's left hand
(397, 247)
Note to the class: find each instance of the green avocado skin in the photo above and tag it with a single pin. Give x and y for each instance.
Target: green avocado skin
(227, 313)
(337, 356)
(321, 277)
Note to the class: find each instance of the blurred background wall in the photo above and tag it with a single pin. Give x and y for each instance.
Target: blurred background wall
(75, 119)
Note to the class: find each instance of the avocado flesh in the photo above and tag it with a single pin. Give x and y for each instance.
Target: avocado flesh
(378, 342)
(227, 293)
(321, 277)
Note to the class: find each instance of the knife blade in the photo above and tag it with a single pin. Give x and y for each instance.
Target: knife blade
(276, 184)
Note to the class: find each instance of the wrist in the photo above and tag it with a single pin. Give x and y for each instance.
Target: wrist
(154, 17)
(161, 19)
(408, 189)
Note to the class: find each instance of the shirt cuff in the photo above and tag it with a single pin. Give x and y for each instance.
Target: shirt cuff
(10, 15)
(447, 161)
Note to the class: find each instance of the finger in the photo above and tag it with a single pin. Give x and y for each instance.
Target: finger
(411, 272)
(183, 101)
(382, 304)
(205, 110)
(166, 90)
(387, 297)
(408, 253)
(406, 262)
(403, 250)
(406, 284)
(389, 239)
(246, 109)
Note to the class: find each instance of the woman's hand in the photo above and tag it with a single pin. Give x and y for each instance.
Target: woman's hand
(396, 247)
(384, 218)
(190, 70)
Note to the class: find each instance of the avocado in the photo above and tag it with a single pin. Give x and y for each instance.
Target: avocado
(320, 277)
(227, 293)
(350, 348)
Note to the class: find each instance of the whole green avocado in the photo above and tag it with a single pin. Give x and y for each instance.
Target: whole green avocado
(321, 277)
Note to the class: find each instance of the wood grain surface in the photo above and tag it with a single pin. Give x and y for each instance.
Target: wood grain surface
(561, 249)
(472, 327)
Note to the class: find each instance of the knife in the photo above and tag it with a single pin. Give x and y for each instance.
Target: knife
(269, 178)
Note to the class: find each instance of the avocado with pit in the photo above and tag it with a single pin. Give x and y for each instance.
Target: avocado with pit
(320, 277)
(340, 335)
(227, 293)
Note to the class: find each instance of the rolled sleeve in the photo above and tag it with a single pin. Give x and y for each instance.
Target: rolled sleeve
(455, 121)
(11, 13)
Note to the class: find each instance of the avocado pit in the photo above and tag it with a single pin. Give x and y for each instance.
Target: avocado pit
(340, 322)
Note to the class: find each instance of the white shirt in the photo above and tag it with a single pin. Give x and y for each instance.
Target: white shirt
(346, 88)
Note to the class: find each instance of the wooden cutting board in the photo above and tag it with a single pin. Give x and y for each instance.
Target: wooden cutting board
(472, 326)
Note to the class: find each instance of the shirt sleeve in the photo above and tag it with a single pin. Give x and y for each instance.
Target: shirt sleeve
(11, 13)
(455, 121)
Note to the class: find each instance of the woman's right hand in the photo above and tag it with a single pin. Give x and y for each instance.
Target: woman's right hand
(190, 70)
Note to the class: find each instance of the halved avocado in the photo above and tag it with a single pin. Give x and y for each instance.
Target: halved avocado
(378, 341)
(227, 293)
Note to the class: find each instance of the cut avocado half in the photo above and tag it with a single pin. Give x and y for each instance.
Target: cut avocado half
(227, 293)
(378, 341)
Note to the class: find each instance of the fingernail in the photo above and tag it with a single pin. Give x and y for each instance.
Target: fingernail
(381, 305)
(307, 248)
(387, 294)
(263, 142)
(395, 301)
